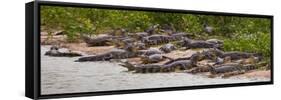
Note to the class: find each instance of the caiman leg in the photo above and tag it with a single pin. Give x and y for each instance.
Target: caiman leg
(183, 67)
(142, 70)
(177, 68)
(166, 69)
(154, 69)
(200, 69)
(139, 70)
(149, 70)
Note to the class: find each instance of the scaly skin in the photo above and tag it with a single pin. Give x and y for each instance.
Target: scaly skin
(149, 52)
(216, 41)
(228, 70)
(122, 43)
(199, 69)
(115, 54)
(197, 56)
(190, 44)
(179, 36)
(152, 58)
(140, 45)
(142, 68)
(167, 48)
(231, 68)
(139, 35)
(235, 55)
(148, 68)
(153, 29)
(98, 41)
(157, 39)
(156, 68)
(54, 51)
(178, 65)
(167, 28)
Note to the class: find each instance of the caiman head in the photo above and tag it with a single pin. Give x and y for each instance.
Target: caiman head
(212, 53)
(209, 54)
(131, 47)
(186, 42)
(54, 47)
(144, 59)
(53, 50)
(258, 56)
(227, 59)
(127, 65)
(196, 57)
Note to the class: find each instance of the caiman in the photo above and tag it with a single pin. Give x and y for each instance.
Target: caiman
(157, 39)
(178, 65)
(54, 51)
(167, 48)
(153, 29)
(191, 44)
(150, 51)
(99, 40)
(213, 53)
(114, 54)
(155, 58)
(224, 68)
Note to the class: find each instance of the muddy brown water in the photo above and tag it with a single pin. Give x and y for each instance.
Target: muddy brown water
(62, 75)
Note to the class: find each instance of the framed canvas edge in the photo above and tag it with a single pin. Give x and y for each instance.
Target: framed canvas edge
(37, 73)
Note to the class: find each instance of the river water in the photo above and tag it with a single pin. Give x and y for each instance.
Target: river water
(63, 75)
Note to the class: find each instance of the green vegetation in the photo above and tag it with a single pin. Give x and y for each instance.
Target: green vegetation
(258, 43)
(238, 33)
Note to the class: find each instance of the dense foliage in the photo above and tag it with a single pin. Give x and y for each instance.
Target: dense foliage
(238, 33)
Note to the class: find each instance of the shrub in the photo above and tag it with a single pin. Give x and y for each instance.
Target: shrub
(256, 43)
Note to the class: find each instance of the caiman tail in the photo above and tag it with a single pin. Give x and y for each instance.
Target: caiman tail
(166, 57)
(94, 58)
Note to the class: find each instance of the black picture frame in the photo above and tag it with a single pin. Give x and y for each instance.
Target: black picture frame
(32, 82)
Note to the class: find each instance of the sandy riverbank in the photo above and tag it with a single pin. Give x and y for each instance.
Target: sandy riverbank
(63, 75)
